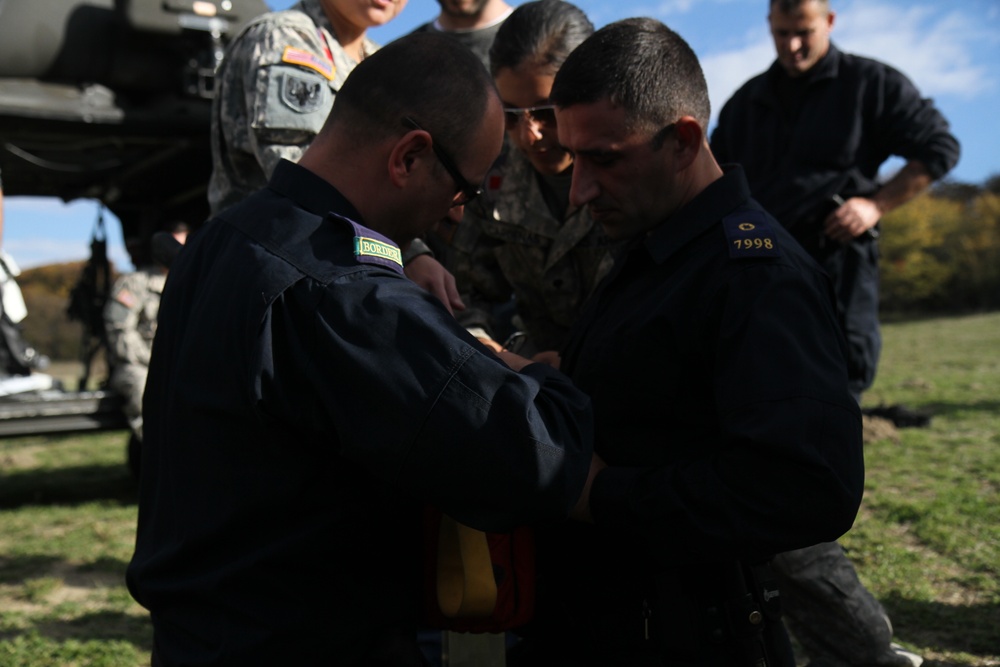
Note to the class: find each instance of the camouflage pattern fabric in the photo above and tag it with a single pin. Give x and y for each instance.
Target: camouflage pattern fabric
(509, 243)
(130, 322)
(274, 90)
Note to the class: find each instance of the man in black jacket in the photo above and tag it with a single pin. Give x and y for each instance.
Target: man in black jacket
(811, 133)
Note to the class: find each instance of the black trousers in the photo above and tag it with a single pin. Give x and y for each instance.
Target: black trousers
(853, 269)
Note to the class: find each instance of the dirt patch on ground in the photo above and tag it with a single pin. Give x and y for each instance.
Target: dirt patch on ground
(878, 428)
(20, 458)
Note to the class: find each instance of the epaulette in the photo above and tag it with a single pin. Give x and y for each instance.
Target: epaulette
(749, 234)
(370, 247)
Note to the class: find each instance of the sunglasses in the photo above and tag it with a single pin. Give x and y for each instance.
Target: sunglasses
(465, 191)
(543, 115)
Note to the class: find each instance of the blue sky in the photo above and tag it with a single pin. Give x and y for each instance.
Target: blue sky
(950, 50)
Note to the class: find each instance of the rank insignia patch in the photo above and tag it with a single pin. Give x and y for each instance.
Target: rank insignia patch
(750, 235)
(306, 59)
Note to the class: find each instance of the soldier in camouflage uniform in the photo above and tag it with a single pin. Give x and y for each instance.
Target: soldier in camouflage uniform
(275, 88)
(512, 243)
(522, 237)
(130, 323)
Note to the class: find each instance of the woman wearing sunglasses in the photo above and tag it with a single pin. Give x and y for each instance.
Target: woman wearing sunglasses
(522, 238)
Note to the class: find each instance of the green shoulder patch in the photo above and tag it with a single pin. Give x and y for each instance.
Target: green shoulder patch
(366, 247)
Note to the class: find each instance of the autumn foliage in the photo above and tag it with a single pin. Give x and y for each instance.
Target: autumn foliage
(46, 292)
(941, 252)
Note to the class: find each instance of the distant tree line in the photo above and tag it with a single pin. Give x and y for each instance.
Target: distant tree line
(940, 253)
(46, 291)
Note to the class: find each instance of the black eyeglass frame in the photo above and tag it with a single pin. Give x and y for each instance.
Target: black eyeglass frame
(465, 191)
(520, 113)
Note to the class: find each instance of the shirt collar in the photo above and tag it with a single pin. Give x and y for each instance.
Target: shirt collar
(828, 67)
(314, 10)
(708, 207)
(311, 192)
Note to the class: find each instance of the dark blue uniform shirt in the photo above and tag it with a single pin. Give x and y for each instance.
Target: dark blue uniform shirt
(716, 366)
(304, 400)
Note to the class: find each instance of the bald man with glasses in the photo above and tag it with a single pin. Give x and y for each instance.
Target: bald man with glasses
(305, 400)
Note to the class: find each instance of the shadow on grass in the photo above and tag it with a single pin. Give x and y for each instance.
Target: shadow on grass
(950, 409)
(15, 569)
(102, 626)
(105, 572)
(956, 628)
(62, 486)
(99, 626)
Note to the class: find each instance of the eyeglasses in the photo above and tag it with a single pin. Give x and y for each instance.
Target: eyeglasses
(465, 191)
(543, 115)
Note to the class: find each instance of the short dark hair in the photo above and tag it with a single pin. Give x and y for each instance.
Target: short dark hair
(543, 32)
(640, 65)
(789, 6)
(428, 77)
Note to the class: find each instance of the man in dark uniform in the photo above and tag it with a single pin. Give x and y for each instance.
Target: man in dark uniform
(305, 399)
(716, 368)
(811, 133)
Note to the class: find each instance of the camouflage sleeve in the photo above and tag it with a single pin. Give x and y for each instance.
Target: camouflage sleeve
(121, 321)
(480, 280)
(288, 80)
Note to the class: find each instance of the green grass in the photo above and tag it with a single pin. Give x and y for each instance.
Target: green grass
(67, 527)
(926, 543)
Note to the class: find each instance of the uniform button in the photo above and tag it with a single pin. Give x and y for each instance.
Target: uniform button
(755, 618)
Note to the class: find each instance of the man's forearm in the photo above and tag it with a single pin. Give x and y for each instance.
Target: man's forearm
(909, 182)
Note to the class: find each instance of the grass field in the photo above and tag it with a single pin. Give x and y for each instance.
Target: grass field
(927, 541)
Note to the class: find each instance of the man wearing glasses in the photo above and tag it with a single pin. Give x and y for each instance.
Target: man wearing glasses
(305, 400)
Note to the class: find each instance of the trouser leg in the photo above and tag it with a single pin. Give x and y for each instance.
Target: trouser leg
(130, 381)
(836, 619)
(854, 272)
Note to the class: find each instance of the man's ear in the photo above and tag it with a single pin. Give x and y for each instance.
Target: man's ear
(690, 137)
(406, 154)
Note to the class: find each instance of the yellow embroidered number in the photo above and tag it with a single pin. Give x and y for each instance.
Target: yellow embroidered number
(753, 244)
